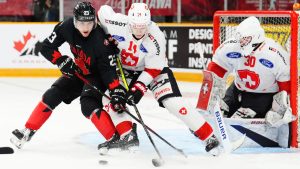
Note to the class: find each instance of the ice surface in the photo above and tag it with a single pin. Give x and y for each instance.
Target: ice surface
(69, 140)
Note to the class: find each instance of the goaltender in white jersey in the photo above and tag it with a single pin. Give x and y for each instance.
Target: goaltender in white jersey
(265, 70)
(143, 56)
(262, 77)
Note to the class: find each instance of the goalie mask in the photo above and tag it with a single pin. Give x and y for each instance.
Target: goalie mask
(84, 18)
(249, 34)
(139, 18)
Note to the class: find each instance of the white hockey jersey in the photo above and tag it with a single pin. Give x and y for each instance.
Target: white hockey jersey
(259, 72)
(136, 55)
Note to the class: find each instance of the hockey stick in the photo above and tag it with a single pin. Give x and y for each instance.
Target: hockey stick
(6, 150)
(228, 146)
(135, 118)
(155, 162)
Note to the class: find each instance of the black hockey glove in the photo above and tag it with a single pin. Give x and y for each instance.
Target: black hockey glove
(112, 44)
(118, 98)
(135, 94)
(67, 66)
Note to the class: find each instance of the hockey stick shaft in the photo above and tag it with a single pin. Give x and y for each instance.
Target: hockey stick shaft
(136, 109)
(131, 115)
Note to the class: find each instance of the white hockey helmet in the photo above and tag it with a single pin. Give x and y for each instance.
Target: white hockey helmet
(249, 34)
(139, 18)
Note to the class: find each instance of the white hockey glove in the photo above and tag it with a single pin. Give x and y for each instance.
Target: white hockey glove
(281, 112)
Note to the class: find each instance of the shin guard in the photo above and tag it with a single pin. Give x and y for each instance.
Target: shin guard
(39, 116)
(103, 123)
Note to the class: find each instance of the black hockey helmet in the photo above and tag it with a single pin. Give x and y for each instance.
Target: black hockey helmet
(84, 11)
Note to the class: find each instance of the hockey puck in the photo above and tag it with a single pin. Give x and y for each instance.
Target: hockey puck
(103, 162)
(6, 150)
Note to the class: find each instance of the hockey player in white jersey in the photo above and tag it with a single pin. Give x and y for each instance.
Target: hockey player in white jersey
(262, 76)
(142, 53)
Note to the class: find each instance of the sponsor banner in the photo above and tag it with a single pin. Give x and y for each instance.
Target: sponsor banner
(184, 44)
(21, 43)
(266, 4)
(16, 7)
(157, 7)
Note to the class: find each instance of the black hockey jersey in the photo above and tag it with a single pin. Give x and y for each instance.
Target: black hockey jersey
(91, 54)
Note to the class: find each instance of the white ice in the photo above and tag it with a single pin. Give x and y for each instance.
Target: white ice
(68, 140)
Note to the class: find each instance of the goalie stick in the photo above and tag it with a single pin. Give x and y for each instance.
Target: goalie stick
(228, 146)
(6, 150)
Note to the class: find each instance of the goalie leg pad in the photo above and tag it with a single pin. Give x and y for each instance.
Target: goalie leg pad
(213, 87)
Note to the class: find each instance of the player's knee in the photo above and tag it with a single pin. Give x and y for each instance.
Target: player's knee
(89, 106)
(53, 97)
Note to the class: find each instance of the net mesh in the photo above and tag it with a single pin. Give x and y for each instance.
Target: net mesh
(277, 28)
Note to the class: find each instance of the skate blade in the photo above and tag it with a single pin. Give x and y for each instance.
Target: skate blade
(215, 151)
(16, 142)
(133, 149)
(103, 151)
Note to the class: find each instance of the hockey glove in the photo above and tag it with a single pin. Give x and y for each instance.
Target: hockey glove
(112, 44)
(67, 66)
(118, 98)
(135, 94)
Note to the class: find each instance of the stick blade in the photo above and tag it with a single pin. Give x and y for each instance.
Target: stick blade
(6, 150)
(157, 162)
(236, 144)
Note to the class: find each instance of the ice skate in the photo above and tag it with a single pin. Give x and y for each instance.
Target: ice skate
(127, 142)
(103, 147)
(212, 145)
(20, 137)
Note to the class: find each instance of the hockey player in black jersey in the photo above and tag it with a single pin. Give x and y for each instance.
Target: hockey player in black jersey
(93, 51)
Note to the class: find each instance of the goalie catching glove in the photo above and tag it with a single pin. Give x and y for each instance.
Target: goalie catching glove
(67, 66)
(118, 98)
(281, 112)
(136, 93)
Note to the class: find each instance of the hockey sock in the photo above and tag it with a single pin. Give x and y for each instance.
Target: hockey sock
(103, 123)
(124, 127)
(122, 121)
(204, 132)
(39, 116)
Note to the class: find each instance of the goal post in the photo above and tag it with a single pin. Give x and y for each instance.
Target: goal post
(283, 27)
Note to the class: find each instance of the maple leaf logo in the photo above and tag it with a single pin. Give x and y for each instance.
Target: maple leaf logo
(20, 45)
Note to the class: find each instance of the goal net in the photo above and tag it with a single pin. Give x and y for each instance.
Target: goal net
(283, 27)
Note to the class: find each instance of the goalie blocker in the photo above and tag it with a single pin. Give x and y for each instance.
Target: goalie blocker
(272, 131)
